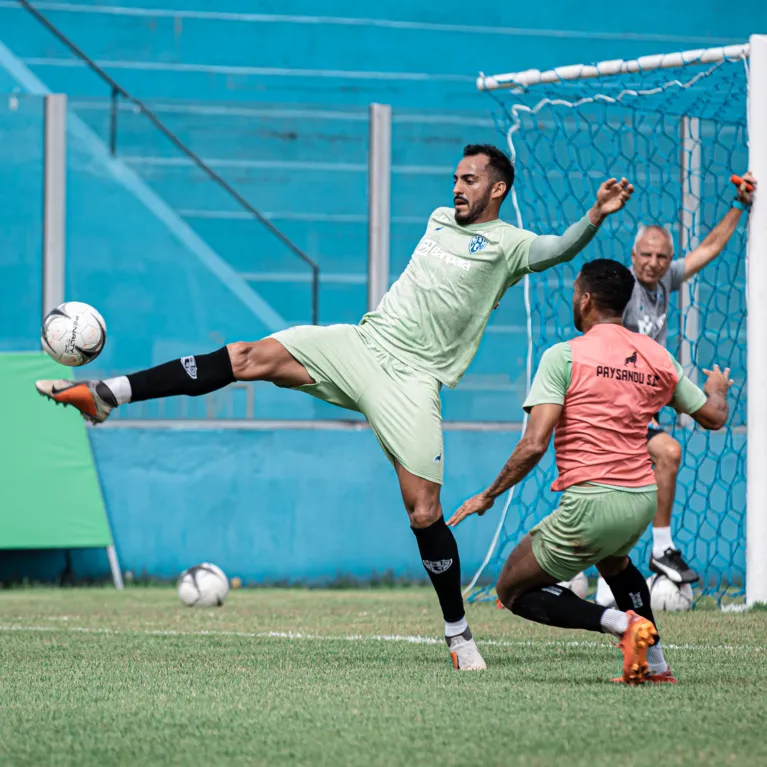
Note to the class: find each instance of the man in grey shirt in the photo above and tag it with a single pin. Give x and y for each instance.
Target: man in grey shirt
(657, 276)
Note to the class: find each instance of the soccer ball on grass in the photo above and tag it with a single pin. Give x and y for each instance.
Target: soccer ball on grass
(579, 585)
(203, 585)
(665, 595)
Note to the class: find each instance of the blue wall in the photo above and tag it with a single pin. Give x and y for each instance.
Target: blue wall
(314, 506)
(276, 505)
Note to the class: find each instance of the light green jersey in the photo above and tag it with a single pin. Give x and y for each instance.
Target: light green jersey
(434, 315)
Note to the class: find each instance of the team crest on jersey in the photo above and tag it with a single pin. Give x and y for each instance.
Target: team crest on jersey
(478, 242)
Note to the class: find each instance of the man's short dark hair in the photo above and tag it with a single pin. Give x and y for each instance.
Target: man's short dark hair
(610, 284)
(500, 165)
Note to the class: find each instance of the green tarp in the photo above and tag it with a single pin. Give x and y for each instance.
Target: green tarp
(50, 490)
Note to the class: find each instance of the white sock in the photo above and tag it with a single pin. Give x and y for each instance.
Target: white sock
(614, 622)
(458, 627)
(661, 540)
(655, 659)
(120, 387)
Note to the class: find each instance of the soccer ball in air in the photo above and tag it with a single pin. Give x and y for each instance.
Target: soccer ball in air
(579, 585)
(203, 585)
(669, 596)
(74, 334)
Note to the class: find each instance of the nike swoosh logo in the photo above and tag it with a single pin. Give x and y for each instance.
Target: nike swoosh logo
(54, 390)
(437, 228)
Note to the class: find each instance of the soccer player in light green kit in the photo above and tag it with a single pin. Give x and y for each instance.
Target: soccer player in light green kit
(391, 366)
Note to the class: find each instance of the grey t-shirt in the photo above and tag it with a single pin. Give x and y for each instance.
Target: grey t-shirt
(647, 310)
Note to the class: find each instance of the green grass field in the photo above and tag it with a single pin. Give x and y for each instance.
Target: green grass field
(288, 677)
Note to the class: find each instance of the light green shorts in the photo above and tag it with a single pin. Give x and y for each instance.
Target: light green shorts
(591, 523)
(401, 404)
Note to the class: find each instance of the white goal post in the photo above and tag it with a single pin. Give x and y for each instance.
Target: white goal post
(755, 53)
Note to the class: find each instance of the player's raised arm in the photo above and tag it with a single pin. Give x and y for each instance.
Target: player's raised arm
(719, 236)
(548, 250)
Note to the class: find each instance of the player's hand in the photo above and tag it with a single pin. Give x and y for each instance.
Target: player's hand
(479, 504)
(745, 195)
(717, 381)
(611, 197)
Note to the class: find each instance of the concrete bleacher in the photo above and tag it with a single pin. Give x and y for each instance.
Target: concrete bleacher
(276, 103)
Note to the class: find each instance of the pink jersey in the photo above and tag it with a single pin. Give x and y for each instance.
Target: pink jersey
(619, 381)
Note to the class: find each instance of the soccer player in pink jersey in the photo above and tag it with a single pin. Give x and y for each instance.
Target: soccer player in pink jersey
(596, 394)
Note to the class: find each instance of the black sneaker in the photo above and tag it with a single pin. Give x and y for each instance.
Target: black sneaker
(673, 566)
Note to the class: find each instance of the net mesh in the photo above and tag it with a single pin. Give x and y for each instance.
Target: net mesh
(677, 135)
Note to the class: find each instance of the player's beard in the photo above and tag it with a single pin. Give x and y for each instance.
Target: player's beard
(577, 318)
(476, 209)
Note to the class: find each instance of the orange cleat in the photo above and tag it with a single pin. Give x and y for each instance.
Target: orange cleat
(94, 405)
(639, 635)
(665, 678)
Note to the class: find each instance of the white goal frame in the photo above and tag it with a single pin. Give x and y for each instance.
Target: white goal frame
(756, 267)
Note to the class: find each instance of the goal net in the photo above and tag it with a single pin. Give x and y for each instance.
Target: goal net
(677, 127)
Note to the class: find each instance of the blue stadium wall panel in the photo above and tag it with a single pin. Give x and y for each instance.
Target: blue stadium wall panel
(294, 506)
(274, 506)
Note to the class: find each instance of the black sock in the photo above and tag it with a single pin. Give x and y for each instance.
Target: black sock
(439, 553)
(192, 376)
(631, 593)
(558, 606)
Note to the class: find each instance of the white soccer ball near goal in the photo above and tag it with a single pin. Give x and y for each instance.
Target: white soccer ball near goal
(665, 595)
(74, 333)
(604, 596)
(579, 585)
(203, 585)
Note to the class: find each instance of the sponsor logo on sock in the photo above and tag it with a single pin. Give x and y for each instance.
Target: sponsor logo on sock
(636, 599)
(190, 365)
(437, 566)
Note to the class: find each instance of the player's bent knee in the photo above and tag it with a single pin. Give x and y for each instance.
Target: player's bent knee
(424, 514)
(240, 354)
(672, 454)
(612, 566)
(508, 597)
(259, 360)
(504, 593)
(667, 455)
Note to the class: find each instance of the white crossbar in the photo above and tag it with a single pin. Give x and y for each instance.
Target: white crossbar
(615, 67)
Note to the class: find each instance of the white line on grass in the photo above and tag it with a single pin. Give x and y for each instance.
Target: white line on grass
(406, 638)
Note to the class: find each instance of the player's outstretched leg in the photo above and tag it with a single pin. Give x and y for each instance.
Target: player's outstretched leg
(526, 589)
(266, 360)
(666, 558)
(439, 554)
(630, 591)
